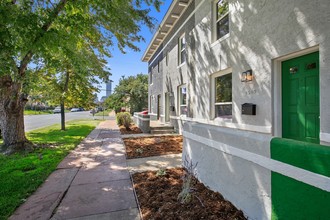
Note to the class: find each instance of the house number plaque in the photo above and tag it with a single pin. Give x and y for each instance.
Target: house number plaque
(251, 92)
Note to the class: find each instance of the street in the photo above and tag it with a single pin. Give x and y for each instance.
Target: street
(38, 121)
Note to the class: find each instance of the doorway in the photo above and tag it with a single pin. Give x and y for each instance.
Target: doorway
(301, 98)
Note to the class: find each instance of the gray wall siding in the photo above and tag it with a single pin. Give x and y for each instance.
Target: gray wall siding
(262, 35)
(260, 32)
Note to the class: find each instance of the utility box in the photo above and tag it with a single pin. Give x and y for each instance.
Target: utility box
(249, 109)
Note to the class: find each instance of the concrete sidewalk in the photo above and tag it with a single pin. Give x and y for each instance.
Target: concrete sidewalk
(154, 163)
(92, 182)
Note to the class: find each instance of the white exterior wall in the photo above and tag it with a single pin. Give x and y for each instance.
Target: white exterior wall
(262, 34)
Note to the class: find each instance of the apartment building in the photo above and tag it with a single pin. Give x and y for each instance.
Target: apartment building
(247, 84)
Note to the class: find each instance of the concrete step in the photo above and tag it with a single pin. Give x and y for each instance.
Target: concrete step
(162, 128)
(168, 131)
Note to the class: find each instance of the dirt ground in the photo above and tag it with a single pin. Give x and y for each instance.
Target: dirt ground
(133, 129)
(158, 198)
(153, 146)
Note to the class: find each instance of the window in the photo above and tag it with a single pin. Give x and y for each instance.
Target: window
(183, 100)
(182, 49)
(158, 66)
(223, 95)
(222, 18)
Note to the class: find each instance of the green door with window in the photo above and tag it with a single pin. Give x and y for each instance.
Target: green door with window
(301, 98)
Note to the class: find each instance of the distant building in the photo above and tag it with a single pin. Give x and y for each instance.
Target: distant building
(109, 88)
(103, 98)
(96, 100)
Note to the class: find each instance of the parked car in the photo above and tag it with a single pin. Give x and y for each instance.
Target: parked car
(75, 110)
(81, 109)
(57, 110)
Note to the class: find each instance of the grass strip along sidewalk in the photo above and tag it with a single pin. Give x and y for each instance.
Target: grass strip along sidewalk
(21, 174)
(33, 112)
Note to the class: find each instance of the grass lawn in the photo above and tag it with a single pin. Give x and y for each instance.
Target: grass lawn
(33, 112)
(21, 174)
(106, 113)
(47, 112)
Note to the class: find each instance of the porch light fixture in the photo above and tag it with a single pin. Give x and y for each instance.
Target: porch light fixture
(247, 76)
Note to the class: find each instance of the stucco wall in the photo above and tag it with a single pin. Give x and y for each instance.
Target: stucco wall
(262, 35)
(260, 32)
(244, 183)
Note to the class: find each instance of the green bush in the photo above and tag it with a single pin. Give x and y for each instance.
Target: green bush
(124, 118)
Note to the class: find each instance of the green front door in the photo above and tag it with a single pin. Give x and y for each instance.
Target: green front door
(301, 98)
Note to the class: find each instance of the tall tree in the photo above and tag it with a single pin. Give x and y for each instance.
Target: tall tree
(131, 92)
(32, 32)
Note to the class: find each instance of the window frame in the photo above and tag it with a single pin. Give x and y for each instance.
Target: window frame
(217, 20)
(213, 94)
(182, 49)
(180, 99)
(158, 66)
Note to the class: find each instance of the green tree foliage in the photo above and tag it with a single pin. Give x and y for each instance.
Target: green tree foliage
(131, 92)
(57, 36)
(124, 118)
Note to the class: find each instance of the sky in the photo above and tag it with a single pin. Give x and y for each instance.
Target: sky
(130, 63)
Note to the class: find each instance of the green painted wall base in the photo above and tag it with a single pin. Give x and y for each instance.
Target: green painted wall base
(292, 199)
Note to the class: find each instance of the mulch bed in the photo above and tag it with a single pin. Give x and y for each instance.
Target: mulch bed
(153, 146)
(133, 130)
(157, 196)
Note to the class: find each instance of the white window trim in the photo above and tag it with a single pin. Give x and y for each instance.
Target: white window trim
(215, 24)
(212, 101)
(181, 50)
(179, 98)
(158, 66)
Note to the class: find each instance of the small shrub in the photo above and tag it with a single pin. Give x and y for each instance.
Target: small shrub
(124, 118)
(188, 191)
(139, 151)
(161, 172)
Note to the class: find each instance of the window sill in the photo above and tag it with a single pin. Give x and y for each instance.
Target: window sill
(223, 119)
(182, 116)
(220, 39)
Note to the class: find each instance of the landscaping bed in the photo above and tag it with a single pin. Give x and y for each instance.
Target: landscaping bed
(158, 192)
(152, 146)
(133, 129)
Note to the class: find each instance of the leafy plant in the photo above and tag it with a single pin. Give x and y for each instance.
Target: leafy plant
(139, 150)
(185, 196)
(161, 172)
(42, 42)
(124, 118)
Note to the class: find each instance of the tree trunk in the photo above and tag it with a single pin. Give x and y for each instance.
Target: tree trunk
(12, 103)
(62, 116)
